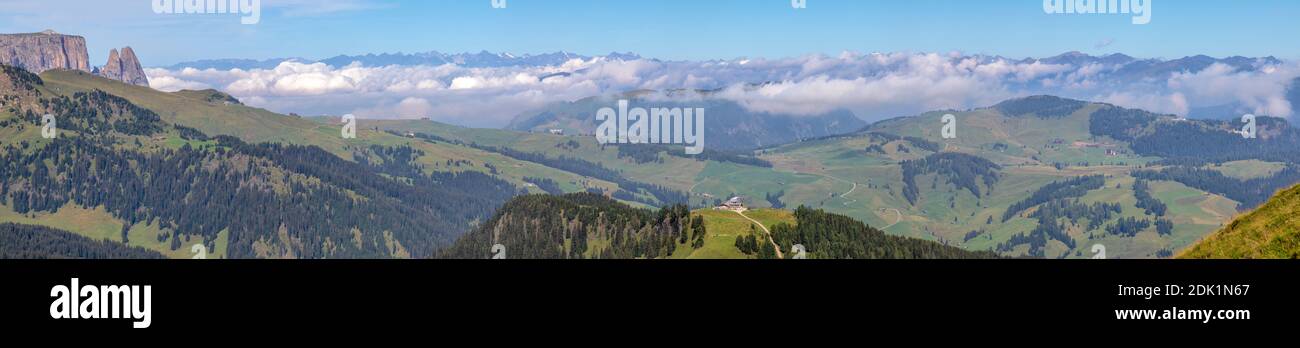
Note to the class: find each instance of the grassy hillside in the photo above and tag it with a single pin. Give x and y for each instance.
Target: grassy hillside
(725, 226)
(586, 226)
(98, 224)
(18, 241)
(858, 176)
(1030, 142)
(194, 110)
(1036, 141)
(672, 172)
(1270, 232)
(144, 175)
(214, 113)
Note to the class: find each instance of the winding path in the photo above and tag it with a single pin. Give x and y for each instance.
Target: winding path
(697, 184)
(846, 194)
(769, 234)
(900, 218)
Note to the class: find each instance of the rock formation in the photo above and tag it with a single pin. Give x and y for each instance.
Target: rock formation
(124, 67)
(38, 52)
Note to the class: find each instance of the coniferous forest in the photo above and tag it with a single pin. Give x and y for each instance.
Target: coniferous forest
(39, 242)
(583, 225)
(967, 172)
(831, 236)
(273, 200)
(579, 226)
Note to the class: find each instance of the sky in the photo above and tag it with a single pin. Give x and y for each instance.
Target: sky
(876, 58)
(665, 29)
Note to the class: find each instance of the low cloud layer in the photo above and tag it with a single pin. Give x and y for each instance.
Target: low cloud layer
(874, 86)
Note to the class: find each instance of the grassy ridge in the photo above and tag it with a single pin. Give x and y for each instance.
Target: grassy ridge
(98, 224)
(209, 112)
(1033, 151)
(1270, 232)
(724, 227)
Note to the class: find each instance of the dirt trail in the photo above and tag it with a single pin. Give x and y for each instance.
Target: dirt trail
(769, 234)
(900, 218)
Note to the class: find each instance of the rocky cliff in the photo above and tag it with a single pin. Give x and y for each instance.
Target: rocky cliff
(43, 51)
(124, 67)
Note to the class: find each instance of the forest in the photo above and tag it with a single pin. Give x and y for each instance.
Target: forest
(1250, 193)
(1071, 188)
(649, 153)
(546, 185)
(580, 226)
(963, 171)
(38, 242)
(1198, 142)
(830, 236)
(1153, 206)
(1050, 226)
(274, 200)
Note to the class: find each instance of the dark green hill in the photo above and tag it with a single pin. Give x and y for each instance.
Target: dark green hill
(591, 226)
(271, 200)
(576, 226)
(38, 242)
(829, 236)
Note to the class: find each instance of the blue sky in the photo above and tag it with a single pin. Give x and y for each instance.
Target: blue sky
(669, 29)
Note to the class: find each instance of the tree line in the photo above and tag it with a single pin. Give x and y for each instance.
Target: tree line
(1070, 188)
(580, 226)
(38, 242)
(962, 170)
(274, 200)
(830, 236)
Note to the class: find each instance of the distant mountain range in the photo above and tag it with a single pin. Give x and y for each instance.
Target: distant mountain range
(483, 59)
(1128, 66)
(1135, 68)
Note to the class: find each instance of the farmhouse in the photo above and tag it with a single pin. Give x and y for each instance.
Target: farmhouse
(733, 204)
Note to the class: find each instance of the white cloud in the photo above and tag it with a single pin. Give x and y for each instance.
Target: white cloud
(874, 86)
(171, 83)
(1175, 103)
(1262, 91)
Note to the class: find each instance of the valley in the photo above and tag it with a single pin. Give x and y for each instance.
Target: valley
(858, 175)
(899, 174)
